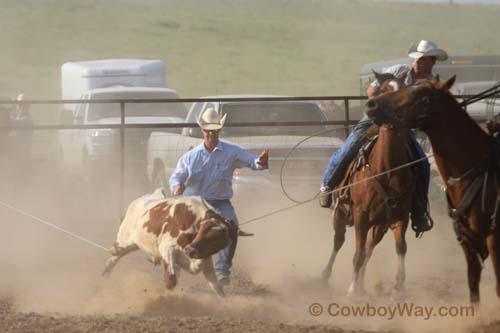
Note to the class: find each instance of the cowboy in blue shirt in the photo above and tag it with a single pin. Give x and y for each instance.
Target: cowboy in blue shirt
(424, 56)
(207, 171)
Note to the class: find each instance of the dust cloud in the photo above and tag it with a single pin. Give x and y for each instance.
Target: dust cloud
(276, 273)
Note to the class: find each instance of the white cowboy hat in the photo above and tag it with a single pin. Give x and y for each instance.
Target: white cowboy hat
(20, 97)
(211, 120)
(426, 48)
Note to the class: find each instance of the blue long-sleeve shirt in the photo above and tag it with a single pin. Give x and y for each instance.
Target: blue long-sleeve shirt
(210, 175)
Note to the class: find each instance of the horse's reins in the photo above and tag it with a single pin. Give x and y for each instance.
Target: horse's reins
(494, 90)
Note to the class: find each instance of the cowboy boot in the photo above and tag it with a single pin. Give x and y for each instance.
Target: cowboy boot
(421, 220)
(325, 197)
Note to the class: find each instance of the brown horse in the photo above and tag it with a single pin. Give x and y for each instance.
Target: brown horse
(380, 203)
(465, 157)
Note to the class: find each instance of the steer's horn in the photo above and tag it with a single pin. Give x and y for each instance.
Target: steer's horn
(244, 233)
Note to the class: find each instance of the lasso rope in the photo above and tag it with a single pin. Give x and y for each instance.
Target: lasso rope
(338, 189)
(288, 155)
(83, 239)
(296, 202)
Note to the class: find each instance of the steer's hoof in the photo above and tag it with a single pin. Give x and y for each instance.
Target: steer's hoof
(170, 281)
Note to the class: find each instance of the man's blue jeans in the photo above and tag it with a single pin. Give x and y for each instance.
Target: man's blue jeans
(224, 258)
(341, 159)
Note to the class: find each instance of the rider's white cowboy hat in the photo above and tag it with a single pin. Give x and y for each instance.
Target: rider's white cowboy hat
(426, 48)
(20, 97)
(211, 120)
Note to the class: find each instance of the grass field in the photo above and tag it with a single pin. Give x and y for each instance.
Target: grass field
(212, 47)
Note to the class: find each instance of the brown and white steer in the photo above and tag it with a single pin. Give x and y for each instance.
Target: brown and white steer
(180, 232)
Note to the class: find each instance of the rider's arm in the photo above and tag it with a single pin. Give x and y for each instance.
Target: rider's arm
(179, 176)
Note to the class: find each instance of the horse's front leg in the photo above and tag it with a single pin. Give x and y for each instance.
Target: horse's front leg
(375, 235)
(338, 240)
(361, 231)
(493, 242)
(399, 236)
(474, 269)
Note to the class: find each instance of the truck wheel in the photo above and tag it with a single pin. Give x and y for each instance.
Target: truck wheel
(159, 178)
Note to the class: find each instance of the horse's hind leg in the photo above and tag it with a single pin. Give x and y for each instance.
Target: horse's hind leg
(401, 248)
(116, 253)
(361, 230)
(338, 240)
(474, 268)
(493, 242)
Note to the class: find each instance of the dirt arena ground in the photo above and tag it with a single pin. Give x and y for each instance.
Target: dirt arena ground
(51, 282)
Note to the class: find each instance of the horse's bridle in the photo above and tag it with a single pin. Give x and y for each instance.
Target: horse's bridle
(422, 106)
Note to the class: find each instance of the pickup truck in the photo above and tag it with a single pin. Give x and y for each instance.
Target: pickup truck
(92, 149)
(303, 167)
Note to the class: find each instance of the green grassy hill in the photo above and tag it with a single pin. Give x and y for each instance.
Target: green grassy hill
(291, 47)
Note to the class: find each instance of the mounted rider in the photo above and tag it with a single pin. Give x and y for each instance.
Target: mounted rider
(424, 56)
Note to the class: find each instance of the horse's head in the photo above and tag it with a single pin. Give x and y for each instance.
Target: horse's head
(387, 83)
(411, 107)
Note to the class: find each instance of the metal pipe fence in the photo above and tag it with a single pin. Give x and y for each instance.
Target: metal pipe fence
(122, 126)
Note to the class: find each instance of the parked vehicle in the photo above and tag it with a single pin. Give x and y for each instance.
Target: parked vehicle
(84, 149)
(304, 166)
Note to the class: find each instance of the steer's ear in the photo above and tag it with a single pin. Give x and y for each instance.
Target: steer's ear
(449, 83)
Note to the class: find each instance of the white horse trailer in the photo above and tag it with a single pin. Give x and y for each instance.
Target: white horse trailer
(82, 76)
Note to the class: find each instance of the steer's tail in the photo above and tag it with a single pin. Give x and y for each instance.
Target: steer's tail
(116, 253)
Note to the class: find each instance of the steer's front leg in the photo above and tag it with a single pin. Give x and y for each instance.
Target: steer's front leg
(170, 278)
(169, 266)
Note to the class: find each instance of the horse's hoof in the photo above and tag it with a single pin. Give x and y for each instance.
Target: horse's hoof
(324, 283)
(325, 276)
(356, 292)
(398, 293)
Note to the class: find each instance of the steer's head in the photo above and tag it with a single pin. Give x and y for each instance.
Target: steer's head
(212, 236)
